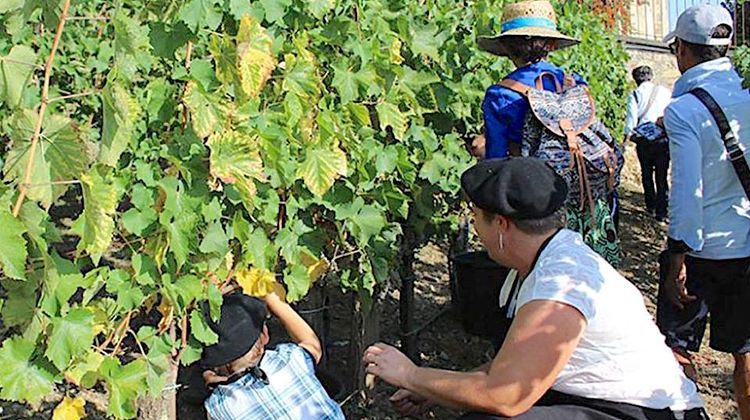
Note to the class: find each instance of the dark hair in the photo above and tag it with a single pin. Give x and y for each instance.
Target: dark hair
(642, 74)
(554, 221)
(529, 48)
(705, 53)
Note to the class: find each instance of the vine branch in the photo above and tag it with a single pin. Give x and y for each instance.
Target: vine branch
(71, 96)
(42, 108)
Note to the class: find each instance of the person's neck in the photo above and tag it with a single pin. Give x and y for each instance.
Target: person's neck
(528, 248)
(245, 363)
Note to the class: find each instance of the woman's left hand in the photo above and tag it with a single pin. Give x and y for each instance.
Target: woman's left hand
(389, 364)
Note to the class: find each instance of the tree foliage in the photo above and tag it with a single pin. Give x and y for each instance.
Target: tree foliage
(186, 143)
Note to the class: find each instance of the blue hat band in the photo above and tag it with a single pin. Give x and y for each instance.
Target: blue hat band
(529, 22)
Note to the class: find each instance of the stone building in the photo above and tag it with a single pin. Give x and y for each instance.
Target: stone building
(651, 20)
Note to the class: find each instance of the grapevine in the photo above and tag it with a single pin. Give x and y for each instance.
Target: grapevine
(159, 152)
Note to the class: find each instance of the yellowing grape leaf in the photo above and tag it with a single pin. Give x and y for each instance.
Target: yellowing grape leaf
(316, 268)
(207, 112)
(167, 314)
(255, 60)
(321, 168)
(60, 155)
(256, 281)
(84, 372)
(69, 409)
(120, 115)
(100, 202)
(395, 51)
(235, 159)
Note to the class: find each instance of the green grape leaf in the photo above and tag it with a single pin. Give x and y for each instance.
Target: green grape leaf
(60, 155)
(275, 9)
(425, 41)
(321, 168)
(71, 337)
(137, 221)
(166, 39)
(10, 5)
(390, 116)
(320, 8)
(235, 159)
(207, 111)
(301, 76)
(346, 83)
(120, 114)
(224, 53)
(201, 330)
(12, 245)
(191, 353)
(20, 378)
(297, 282)
(85, 372)
(369, 222)
(157, 366)
(16, 69)
(130, 37)
(239, 8)
(100, 202)
(124, 385)
(20, 303)
(216, 240)
(201, 14)
(255, 60)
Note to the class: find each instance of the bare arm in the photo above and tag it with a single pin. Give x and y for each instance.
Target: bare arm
(300, 332)
(540, 342)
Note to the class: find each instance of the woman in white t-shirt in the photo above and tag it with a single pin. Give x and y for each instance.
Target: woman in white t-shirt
(582, 344)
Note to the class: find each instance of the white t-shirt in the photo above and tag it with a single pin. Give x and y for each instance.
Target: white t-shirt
(621, 356)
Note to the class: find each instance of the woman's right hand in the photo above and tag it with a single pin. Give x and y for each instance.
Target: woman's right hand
(408, 403)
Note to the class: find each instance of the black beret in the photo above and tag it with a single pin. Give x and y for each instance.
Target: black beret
(520, 188)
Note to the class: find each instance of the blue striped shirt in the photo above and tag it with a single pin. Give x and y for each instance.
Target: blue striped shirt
(293, 392)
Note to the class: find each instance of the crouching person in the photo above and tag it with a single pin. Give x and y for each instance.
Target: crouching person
(251, 381)
(581, 345)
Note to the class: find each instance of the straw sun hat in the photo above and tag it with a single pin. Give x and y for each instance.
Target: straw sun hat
(535, 18)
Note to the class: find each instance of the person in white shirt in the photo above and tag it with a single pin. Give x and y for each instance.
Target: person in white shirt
(581, 345)
(709, 211)
(646, 105)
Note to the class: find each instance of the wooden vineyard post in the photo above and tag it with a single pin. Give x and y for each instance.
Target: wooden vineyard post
(409, 341)
(365, 331)
(163, 407)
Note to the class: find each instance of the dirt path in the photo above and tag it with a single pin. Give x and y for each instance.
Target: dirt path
(445, 345)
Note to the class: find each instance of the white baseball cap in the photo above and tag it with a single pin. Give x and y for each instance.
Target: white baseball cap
(696, 25)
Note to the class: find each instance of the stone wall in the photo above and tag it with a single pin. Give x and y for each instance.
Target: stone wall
(663, 63)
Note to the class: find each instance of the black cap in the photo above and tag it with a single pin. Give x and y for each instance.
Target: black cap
(520, 188)
(239, 327)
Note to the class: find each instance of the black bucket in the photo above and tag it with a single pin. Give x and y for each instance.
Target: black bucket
(476, 282)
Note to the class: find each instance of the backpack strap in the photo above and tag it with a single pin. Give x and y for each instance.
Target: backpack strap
(731, 144)
(540, 81)
(515, 86)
